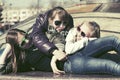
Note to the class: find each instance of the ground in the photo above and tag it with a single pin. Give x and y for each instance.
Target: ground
(50, 76)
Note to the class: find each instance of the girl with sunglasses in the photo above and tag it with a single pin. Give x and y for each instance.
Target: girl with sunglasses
(83, 51)
(77, 38)
(49, 32)
(48, 27)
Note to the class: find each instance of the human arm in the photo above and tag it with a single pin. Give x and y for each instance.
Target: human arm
(54, 66)
(39, 38)
(5, 68)
(5, 53)
(41, 41)
(71, 45)
(75, 42)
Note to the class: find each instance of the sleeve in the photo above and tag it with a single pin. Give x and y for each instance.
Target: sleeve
(5, 67)
(39, 37)
(72, 46)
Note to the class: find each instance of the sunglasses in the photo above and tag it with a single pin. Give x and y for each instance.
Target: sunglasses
(58, 23)
(82, 33)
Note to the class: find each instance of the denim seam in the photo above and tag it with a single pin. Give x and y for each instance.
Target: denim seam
(100, 48)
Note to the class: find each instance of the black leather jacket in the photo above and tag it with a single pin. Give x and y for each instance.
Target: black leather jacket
(38, 34)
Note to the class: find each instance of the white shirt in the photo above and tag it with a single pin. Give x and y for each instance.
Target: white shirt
(71, 45)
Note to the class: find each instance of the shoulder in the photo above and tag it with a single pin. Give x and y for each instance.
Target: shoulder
(72, 30)
(71, 34)
(8, 45)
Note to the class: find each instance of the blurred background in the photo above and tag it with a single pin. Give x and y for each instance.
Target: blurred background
(13, 12)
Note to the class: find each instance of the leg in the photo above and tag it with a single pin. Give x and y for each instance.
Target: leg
(85, 65)
(100, 46)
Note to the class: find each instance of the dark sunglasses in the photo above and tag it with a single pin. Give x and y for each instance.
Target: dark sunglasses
(58, 23)
(82, 33)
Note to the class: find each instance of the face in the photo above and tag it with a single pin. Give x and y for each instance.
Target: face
(20, 37)
(59, 24)
(84, 30)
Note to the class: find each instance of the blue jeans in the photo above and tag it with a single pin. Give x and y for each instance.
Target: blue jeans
(86, 60)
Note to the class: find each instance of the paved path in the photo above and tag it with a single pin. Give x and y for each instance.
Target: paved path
(51, 76)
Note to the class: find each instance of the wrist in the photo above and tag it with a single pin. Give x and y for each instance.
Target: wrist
(54, 59)
(51, 50)
(54, 51)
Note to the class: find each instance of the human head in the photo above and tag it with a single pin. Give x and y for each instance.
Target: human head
(89, 29)
(15, 36)
(58, 18)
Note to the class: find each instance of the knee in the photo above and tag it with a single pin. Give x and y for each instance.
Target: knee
(116, 39)
(113, 38)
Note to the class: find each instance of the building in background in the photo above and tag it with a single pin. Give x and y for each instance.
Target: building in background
(16, 15)
(12, 16)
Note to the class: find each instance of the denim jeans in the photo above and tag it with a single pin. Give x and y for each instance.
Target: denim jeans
(86, 60)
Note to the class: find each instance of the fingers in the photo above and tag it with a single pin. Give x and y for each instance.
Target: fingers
(59, 72)
(60, 55)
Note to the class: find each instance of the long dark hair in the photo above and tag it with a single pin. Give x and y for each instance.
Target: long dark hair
(58, 10)
(17, 57)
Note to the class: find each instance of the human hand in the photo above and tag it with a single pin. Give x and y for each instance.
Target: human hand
(54, 67)
(78, 37)
(59, 54)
